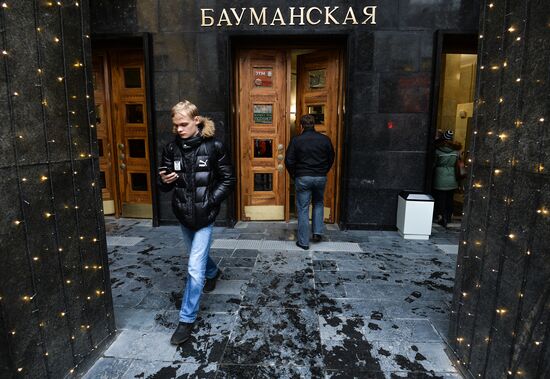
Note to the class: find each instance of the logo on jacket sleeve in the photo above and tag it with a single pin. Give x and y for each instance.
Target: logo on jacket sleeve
(203, 163)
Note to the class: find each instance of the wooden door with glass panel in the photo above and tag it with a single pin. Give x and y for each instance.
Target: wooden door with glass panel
(119, 78)
(263, 98)
(130, 121)
(317, 93)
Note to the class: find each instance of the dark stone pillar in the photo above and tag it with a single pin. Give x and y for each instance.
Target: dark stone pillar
(55, 297)
(501, 311)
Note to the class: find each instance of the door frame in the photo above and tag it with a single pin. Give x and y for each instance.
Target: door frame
(144, 42)
(290, 42)
(446, 41)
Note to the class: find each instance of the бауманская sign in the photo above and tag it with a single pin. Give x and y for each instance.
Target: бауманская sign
(330, 15)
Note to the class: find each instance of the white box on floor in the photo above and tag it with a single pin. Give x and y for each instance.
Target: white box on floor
(414, 215)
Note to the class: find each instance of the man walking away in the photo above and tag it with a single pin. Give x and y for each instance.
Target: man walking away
(309, 157)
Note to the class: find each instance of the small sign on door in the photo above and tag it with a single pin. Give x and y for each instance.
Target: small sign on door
(263, 76)
(263, 114)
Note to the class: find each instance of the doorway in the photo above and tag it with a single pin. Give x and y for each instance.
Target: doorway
(455, 92)
(122, 132)
(275, 87)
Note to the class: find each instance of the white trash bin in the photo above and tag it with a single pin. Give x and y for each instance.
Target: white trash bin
(414, 215)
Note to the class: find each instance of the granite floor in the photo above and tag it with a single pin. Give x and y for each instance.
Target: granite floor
(361, 304)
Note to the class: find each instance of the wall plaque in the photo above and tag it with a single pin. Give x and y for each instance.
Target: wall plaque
(263, 113)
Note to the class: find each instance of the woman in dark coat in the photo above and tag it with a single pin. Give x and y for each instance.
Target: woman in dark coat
(447, 152)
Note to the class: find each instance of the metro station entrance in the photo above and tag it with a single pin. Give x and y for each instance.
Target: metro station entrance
(275, 87)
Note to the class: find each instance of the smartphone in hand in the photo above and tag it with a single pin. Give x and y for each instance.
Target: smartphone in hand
(167, 170)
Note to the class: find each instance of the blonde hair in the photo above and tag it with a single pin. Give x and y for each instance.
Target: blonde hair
(189, 109)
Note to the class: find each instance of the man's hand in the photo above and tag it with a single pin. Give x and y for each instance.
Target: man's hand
(168, 178)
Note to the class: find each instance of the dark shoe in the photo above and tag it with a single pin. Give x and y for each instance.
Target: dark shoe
(317, 238)
(301, 246)
(210, 284)
(182, 333)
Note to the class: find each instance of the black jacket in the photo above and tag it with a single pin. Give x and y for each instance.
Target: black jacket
(205, 180)
(309, 154)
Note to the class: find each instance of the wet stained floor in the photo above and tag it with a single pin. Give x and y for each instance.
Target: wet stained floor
(361, 304)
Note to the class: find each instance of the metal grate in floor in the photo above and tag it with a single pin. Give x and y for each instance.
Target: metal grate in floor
(123, 241)
(448, 249)
(249, 244)
(284, 245)
(275, 245)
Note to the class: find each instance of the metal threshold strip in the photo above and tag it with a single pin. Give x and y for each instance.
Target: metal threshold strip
(284, 245)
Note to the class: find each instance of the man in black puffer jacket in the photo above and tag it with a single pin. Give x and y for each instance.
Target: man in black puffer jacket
(198, 169)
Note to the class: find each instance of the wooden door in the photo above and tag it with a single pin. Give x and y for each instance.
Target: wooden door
(263, 92)
(107, 161)
(123, 129)
(318, 93)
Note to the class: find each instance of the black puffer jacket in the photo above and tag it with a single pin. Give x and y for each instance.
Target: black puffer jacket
(205, 180)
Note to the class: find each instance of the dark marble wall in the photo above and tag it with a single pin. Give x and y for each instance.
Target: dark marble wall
(55, 297)
(501, 311)
(389, 77)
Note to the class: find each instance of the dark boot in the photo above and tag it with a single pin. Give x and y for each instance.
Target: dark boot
(182, 333)
(317, 238)
(210, 284)
(301, 246)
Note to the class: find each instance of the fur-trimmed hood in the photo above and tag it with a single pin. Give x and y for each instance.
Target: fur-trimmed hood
(207, 127)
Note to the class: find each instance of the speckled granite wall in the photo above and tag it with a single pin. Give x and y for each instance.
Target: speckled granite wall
(389, 74)
(500, 323)
(55, 297)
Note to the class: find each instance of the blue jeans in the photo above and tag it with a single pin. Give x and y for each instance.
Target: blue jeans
(309, 189)
(200, 267)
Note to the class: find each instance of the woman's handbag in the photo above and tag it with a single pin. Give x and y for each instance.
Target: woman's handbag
(460, 169)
